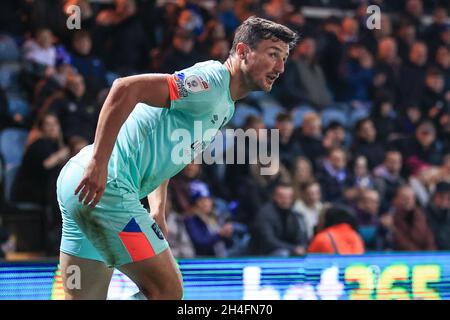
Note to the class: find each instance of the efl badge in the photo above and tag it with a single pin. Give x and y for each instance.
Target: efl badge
(195, 84)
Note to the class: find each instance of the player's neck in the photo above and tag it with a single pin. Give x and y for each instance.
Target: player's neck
(238, 88)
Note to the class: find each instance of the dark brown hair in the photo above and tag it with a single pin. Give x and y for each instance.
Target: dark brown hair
(254, 30)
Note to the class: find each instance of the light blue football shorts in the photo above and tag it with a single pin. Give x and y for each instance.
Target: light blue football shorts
(118, 231)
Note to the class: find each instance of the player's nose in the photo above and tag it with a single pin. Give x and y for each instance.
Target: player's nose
(279, 66)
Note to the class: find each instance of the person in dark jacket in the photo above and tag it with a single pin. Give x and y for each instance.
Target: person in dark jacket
(289, 147)
(42, 160)
(411, 230)
(412, 75)
(208, 235)
(438, 215)
(366, 143)
(310, 138)
(89, 66)
(424, 148)
(334, 177)
(304, 80)
(277, 229)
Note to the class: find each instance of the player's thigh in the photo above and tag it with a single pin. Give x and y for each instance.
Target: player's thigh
(84, 279)
(158, 277)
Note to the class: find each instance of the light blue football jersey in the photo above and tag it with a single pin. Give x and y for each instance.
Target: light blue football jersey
(154, 144)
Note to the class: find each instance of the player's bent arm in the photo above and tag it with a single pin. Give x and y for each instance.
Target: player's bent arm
(157, 202)
(125, 93)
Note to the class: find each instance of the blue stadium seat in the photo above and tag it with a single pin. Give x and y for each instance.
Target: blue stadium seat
(9, 51)
(329, 115)
(356, 115)
(298, 114)
(270, 113)
(9, 76)
(18, 105)
(12, 145)
(241, 113)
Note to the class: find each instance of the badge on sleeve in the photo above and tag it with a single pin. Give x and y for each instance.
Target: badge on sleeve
(195, 84)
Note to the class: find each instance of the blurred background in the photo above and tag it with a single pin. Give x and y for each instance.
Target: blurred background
(364, 121)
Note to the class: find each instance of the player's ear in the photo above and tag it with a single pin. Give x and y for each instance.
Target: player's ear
(241, 50)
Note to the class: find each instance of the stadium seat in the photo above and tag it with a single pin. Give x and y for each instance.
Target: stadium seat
(270, 113)
(25, 220)
(241, 113)
(12, 144)
(9, 76)
(298, 114)
(9, 50)
(18, 105)
(330, 115)
(356, 115)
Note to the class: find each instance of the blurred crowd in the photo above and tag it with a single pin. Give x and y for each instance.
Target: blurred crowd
(363, 117)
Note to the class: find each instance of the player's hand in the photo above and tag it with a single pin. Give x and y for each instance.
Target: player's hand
(92, 186)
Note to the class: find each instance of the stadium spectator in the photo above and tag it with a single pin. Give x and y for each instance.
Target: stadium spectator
(334, 136)
(309, 206)
(423, 182)
(304, 82)
(288, 147)
(301, 173)
(412, 75)
(337, 233)
(125, 47)
(388, 176)
(178, 237)
(387, 68)
(334, 177)
(276, 229)
(360, 176)
(406, 36)
(432, 33)
(41, 49)
(219, 50)
(330, 51)
(423, 149)
(413, 11)
(366, 143)
(384, 117)
(209, 237)
(411, 231)
(237, 172)
(89, 66)
(433, 101)
(182, 53)
(256, 189)
(442, 61)
(367, 218)
(36, 176)
(356, 74)
(310, 138)
(77, 113)
(180, 188)
(438, 215)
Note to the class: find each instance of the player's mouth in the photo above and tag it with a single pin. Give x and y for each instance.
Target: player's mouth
(271, 78)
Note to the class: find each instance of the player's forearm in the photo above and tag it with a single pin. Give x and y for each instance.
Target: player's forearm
(157, 200)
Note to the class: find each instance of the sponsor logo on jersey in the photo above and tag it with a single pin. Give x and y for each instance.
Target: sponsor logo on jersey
(195, 84)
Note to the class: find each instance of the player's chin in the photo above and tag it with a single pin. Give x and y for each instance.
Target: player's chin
(266, 86)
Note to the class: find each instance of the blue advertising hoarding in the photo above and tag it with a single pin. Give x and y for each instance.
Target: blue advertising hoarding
(314, 277)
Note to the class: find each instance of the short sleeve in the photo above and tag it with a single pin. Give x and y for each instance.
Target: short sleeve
(195, 88)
